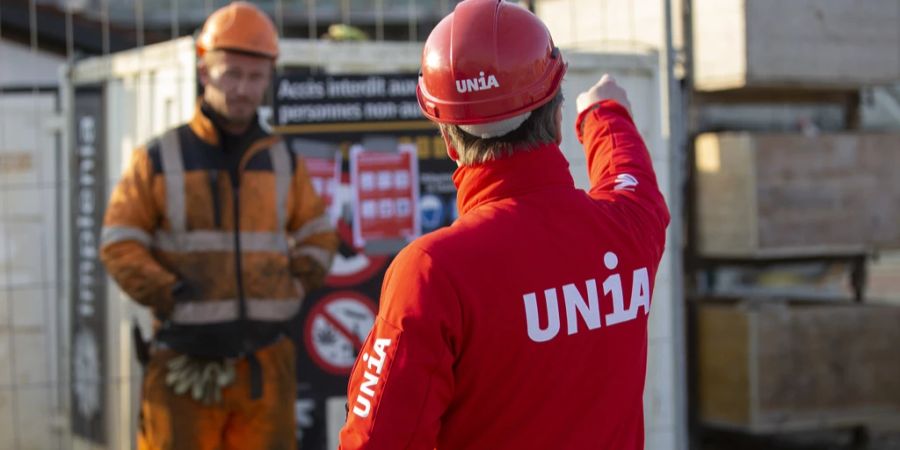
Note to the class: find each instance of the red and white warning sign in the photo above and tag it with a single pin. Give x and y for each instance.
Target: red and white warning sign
(385, 193)
(325, 175)
(336, 328)
(356, 266)
(352, 267)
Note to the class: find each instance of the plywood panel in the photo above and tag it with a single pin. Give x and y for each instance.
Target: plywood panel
(724, 371)
(726, 203)
(719, 44)
(776, 43)
(777, 367)
(820, 361)
(764, 195)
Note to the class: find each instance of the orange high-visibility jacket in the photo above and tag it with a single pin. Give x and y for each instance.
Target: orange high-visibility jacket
(240, 253)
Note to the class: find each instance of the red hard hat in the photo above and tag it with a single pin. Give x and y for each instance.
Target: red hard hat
(487, 61)
(239, 26)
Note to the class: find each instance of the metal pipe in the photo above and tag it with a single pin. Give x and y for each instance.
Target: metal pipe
(413, 23)
(345, 12)
(104, 20)
(279, 17)
(379, 20)
(139, 22)
(174, 25)
(673, 128)
(312, 22)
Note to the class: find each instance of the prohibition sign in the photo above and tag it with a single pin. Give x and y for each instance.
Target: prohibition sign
(336, 328)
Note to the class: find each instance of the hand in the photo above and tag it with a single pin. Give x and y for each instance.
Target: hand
(178, 292)
(308, 273)
(605, 89)
(182, 291)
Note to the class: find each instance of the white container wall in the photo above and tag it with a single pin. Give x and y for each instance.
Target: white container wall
(29, 293)
(146, 92)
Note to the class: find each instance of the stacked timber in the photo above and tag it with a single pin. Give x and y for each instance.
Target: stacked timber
(740, 44)
(762, 195)
(776, 213)
(775, 367)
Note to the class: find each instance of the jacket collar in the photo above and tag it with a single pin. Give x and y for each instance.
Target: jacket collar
(203, 126)
(524, 171)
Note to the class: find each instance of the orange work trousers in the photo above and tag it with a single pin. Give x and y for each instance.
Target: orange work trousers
(178, 422)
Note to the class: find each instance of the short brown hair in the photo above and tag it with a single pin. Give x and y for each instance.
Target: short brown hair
(538, 129)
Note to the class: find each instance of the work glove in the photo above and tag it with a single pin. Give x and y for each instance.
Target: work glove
(310, 273)
(202, 379)
(179, 291)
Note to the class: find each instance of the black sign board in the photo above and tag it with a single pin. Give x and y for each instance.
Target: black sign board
(315, 112)
(348, 104)
(88, 315)
(88, 290)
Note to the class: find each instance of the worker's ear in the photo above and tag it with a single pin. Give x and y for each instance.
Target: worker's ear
(557, 120)
(202, 71)
(451, 152)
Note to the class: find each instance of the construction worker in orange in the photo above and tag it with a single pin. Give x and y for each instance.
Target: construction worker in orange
(217, 229)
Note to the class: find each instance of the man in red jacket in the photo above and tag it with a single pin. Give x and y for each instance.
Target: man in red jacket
(524, 324)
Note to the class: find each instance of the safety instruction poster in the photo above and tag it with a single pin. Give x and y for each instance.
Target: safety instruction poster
(325, 175)
(88, 326)
(386, 194)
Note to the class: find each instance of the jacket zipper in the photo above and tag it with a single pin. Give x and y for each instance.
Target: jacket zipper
(214, 190)
(236, 195)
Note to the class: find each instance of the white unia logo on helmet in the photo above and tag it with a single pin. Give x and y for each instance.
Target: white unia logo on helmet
(477, 84)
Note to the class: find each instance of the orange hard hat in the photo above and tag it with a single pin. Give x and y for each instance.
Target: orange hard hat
(488, 61)
(241, 27)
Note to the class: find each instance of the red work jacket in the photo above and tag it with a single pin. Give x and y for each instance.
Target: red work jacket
(524, 324)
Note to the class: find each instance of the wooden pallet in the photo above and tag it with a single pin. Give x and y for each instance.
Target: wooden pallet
(771, 195)
(742, 44)
(771, 367)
